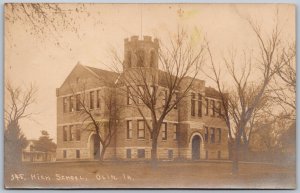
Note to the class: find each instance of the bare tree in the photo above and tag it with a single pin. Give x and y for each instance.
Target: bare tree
(17, 102)
(283, 86)
(155, 91)
(47, 20)
(105, 128)
(241, 102)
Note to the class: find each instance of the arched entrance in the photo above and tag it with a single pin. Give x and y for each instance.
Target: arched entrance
(95, 147)
(196, 141)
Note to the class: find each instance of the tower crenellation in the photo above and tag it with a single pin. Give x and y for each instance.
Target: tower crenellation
(141, 52)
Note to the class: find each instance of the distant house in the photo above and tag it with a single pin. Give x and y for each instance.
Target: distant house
(29, 154)
(193, 130)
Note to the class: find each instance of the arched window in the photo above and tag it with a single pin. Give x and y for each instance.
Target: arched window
(140, 54)
(128, 56)
(152, 58)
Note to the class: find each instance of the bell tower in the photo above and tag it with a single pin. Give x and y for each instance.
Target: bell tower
(140, 53)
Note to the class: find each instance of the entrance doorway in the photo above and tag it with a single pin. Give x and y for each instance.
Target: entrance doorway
(196, 147)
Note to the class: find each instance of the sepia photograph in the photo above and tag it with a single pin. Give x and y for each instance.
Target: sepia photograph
(149, 96)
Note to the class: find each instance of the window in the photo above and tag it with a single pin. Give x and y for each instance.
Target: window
(206, 134)
(206, 154)
(141, 93)
(129, 59)
(176, 99)
(207, 106)
(175, 131)
(140, 54)
(77, 134)
(152, 58)
(219, 135)
(141, 153)
(193, 101)
(65, 133)
(164, 131)
(78, 106)
(71, 107)
(212, 135)
(98, 102)
(92, 100)
(141, 129)
(129, 129)
(170, 154)
(72, 133)
(64, 153)
(165, 95)
(219, 154)
(218, 108)
(128, 153)
(65, 104)
(152, 91)
(77, 153)
(129, 99)
(212, 106)
(199, 105)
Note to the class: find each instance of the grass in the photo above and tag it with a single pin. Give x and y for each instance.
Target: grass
(141, 175)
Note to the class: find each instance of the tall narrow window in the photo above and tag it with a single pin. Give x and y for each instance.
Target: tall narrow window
(165, 95)
(129, 129)
(164, 131)
(199, 105)
(206, 134)
(129, 59)
(65, 133)
(219, 154)
(64, 153)
(78, 106)
(140, 54)
(170, 154)
(77, 153)
(141, 94)
(128, 153)
(77, 134)
(212, 135)
(219, 108)
(92, 98)
(175, 131)
(141, 129)
(213, 107)
(72, 134)
(206, 106)
(193, 101)
(152, 91)
(152, 58)
(98, 102)
(219, 138)
(129, 99)
(176, 99)
(71, 106)
(65, 104)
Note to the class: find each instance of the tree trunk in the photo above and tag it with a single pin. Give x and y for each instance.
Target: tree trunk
(235, 156)
(102, 154)
(235, 159)
(154, 153)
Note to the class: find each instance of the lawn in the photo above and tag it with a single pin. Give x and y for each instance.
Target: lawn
(140, 175)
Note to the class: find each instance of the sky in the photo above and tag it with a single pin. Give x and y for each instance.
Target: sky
(46, 59)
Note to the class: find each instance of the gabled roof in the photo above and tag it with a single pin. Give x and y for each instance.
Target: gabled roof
(106, 75)
(211, 92)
